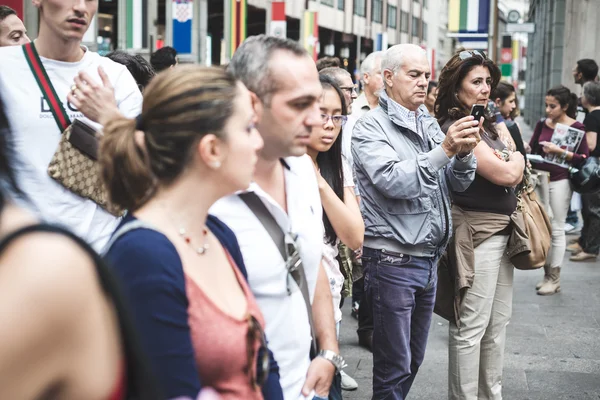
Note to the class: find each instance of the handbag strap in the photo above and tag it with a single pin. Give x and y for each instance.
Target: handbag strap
(41, 76)
(265, 217)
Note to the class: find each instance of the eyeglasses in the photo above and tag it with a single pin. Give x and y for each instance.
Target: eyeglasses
(471, 53)
(258, 375)
(350, 89)
(338, 120)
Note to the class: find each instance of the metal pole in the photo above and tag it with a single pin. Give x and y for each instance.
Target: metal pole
(226, 31)
(122, 24)
(494, 31)
(202, 18)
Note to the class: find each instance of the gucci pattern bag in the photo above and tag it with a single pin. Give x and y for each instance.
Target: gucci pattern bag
(74, 164)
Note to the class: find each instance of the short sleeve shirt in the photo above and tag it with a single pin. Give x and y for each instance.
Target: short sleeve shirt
(36, 135)
(287, 326)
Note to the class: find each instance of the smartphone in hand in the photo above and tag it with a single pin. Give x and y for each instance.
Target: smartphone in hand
(478, 111)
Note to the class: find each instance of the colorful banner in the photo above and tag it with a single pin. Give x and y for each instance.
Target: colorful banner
(237, 24)
(311, 34)
(278, 22)
(468, 16)
(182, 12)
(16, 5)
(137, 24)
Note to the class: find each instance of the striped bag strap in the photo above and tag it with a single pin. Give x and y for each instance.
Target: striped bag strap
(41, 76)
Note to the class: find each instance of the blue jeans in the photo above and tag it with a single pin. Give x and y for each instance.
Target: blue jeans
(401, 290)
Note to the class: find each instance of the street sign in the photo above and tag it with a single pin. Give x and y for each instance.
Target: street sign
(506, 56)
(527, 27)
(513, 16)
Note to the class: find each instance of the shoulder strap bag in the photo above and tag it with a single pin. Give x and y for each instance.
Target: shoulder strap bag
(74, 164)
(289, 252)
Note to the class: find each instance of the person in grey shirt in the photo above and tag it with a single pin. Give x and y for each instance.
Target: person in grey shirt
(405, 167)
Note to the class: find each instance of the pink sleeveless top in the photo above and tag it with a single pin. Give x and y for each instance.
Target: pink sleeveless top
(220, 342)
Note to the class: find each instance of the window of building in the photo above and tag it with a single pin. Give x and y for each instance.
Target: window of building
(360, 8)
(415, 26)
(377, 11)
(424, 31)
(403, 21)
(327, 2)
(341, 4)
(425, 4)
(392, 14)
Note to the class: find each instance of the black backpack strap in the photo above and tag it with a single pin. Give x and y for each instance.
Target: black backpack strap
(141, 384)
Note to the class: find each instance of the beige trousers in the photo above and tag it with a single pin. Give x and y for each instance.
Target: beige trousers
(476, 348)
(560, 199)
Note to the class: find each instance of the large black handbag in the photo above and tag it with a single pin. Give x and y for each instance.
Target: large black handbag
(587, 178)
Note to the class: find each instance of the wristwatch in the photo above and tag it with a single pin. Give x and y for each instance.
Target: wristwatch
(338, 361)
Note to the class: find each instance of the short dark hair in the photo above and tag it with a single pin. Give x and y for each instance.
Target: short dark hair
(163, 58)
(328, 62)
(5, 11)
(250, 63)
(139, 68)
(588, 69)
(502, 91)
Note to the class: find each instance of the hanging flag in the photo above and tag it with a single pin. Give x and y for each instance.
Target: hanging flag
(311, 34)
(182, 12)
(237, 23)
(278, 23)
(137, 24)
(468, 16)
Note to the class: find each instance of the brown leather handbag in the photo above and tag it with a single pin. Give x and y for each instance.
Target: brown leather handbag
(537, 227)
(74, 164)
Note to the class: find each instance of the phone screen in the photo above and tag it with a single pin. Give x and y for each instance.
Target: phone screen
(477, 111)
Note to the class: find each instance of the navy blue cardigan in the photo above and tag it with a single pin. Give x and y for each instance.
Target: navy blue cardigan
(151, 273)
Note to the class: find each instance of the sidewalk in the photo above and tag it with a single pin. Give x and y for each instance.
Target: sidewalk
(552, 351)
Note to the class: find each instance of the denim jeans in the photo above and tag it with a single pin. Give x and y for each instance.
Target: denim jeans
(401, 290)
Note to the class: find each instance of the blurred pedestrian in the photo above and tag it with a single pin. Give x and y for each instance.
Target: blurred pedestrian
(504, 98)
(561, 106)
(432, 91)
(481, 217)
(164, 58)
(588, 245)
(65, 331)
(12, 30)
(585, 70)
(328, 62)
(405, 167)
(194, 142)
(372, 82)
(140, 69)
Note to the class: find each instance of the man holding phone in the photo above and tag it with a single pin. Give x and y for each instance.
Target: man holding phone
(405, 168)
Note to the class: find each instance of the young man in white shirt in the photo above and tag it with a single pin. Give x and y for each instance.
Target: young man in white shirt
(286, 90)
(36, 134)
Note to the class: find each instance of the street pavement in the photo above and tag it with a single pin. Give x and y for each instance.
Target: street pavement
(552, 345)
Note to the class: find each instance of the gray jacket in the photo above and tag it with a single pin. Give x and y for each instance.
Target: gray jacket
(404, 181)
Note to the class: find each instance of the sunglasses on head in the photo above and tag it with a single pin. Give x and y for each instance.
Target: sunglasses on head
(463, 55)
(258, 371)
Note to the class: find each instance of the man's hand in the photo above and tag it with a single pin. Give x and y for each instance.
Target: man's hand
(462, 136)
(97, 102)
(319, 377)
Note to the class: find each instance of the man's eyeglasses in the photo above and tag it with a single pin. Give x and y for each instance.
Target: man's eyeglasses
(260, 371)
(463, 55)
(338, 120)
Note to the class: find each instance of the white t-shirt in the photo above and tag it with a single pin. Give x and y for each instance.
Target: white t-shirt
(330, 252)
(36, 135)
(287, 326)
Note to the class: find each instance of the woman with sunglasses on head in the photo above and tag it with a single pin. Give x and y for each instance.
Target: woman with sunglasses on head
(64, 329)
(481, 227)
(341, 218)
(182, 269)
(561, 108)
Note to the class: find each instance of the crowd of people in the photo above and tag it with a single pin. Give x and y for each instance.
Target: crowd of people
(197, 229)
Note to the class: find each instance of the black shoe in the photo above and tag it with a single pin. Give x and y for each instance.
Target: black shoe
(365, 339)
(354, 312)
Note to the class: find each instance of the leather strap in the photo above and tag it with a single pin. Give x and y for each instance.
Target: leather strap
(278, 235)
(41, 76)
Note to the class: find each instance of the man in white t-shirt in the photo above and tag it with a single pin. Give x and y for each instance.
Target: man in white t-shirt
(286, 90)
(36, 134)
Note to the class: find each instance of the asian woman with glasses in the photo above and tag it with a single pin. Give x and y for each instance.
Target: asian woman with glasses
(341, 218)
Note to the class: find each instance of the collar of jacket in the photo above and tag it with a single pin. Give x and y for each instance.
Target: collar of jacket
(398, 119)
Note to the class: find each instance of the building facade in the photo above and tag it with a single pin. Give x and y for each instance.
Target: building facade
(565, 31)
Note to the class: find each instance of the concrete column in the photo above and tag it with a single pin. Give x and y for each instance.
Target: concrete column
(31, 19)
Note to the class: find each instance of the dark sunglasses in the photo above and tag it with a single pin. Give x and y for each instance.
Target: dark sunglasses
(258, 371)
(463, 55)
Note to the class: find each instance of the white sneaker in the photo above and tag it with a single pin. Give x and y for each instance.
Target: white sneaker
(348, 383)
(571, 230)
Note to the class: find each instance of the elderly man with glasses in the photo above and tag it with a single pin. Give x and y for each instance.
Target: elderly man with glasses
(405, 168)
